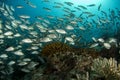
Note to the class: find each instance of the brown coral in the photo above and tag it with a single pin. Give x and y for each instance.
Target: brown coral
(55, 47)
(88, 51)
(62, 59)
(64, 66)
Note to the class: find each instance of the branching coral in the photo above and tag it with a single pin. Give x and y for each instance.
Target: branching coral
(107, 68)
(55, 47)
(66, 63)
(64, 66)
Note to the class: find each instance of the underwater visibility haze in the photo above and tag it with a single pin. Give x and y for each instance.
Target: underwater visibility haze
(56, 34)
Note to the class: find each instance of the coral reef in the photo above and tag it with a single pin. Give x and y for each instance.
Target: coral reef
(67, 63)
(53, 48)
(107, 68)
(108, 53)
(65, 66)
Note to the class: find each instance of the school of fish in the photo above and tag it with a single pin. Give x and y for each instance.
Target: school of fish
(21, 41)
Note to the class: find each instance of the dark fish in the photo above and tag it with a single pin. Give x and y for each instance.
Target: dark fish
(57, 6)
(113, 13)
(58, 3)
(91, 5)
(91, 15)
(77, 8)
(68, 3)
(99, 7)
(47, 9)
(66, 8)
(30, 4)
(104, 13)
(86, 12)
(46, 1)
(82, 7)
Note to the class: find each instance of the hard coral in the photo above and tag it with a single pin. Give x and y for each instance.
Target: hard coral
(55, 47)
(88, 51)
(64, 66)
(107, 68)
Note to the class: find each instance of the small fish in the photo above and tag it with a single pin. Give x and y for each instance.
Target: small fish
(112, 40)
(58, 3)
(46, 21)
(73, 22)
(26, 59)
(32, 65)
(45, 39)
(47, 9)
(24, 16)
(77, 8)
(91, 15)
(3, 56)
(69, 27)
(45, 1)
(94, 45)
(9, 33)
(25, 70)
(11, 63)
(61, 31)
(99, 7)
(82, 28)
(8, 27)
(19, 6)
(66, 8)
(107, 45)
(50, 17)
(31, 5)
(91, 5)
(101, 40)
(86, 12)
(104, 13)
(19, 53)
(53, 36)
(33, 33)
(69, 39)
(27, 40)
(34, 47)
(17, 35)
(22, 63)
(69, 3)
(8, 10)
(10, 49)
(83, 7)
(57, 6)
(1, 62)
(94, 39)
(35, 52)
(11, 7)
(39, 17)
(2, 36)
(51, 31)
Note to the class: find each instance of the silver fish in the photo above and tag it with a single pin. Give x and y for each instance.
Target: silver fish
(19, 6)
(19, 53)
(107, 45)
